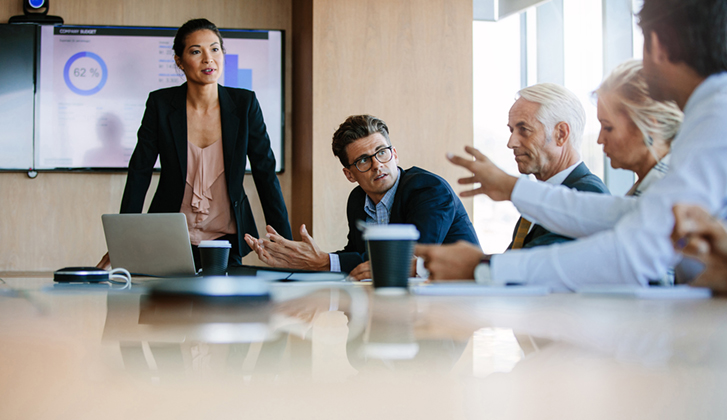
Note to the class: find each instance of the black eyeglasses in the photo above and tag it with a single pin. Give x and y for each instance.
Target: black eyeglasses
(364, 163)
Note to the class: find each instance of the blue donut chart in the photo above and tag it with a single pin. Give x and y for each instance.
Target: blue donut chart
(67, 73)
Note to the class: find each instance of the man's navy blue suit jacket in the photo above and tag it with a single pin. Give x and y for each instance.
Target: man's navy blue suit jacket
(423, 199)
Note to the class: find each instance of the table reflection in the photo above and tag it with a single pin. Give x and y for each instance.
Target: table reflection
(329, 359)
(326, 334)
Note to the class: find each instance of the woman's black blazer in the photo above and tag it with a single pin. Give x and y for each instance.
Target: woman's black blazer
(163, 133)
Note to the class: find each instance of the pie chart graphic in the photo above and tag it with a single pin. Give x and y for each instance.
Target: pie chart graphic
(85, 73)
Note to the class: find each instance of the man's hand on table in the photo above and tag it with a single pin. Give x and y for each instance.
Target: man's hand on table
(363, 271)
(450, 262)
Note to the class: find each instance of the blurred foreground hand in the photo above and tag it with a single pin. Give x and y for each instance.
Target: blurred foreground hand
(699, 235)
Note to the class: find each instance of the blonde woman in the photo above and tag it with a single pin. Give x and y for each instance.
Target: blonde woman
(636, 131)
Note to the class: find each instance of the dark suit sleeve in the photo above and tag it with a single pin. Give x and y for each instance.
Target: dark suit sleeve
(431, 208)
(350, 260)
(262, 162)
(354, 253)
(542, 236)
(141, 164)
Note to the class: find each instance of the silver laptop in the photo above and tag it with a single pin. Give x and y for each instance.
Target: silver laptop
(154, 244)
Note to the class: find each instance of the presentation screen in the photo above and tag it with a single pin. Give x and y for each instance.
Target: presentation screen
(93, 83)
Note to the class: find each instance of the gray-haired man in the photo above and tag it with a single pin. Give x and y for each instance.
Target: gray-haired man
(546, 125)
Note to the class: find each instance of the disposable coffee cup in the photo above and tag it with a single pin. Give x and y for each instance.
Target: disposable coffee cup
(214, 256)
(390, 249)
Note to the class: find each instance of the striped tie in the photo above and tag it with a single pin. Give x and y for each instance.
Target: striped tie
(522, 232)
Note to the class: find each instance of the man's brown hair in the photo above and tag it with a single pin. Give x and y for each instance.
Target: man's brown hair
(356, 127)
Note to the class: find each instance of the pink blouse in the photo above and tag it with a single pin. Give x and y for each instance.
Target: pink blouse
(206, 201)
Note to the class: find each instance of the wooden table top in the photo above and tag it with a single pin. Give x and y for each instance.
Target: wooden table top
(324, 351)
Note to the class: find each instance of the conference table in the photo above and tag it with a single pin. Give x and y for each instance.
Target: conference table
(343, 351)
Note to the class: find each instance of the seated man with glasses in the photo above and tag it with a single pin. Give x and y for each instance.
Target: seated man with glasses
(385, 194)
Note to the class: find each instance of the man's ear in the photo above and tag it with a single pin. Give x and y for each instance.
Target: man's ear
(396, 155)
(561, 133)
(349, 175)
(658, 52)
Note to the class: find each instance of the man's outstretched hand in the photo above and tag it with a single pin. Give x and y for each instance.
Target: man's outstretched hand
(494, 182)
(276, 251)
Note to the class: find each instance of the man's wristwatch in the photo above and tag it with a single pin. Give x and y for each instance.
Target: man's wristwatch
(482, 271)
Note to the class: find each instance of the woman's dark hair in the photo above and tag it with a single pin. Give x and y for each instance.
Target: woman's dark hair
(356, 127)
(192, 26)
(691, 31)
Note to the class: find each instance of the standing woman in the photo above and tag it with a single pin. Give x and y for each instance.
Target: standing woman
(202, 132)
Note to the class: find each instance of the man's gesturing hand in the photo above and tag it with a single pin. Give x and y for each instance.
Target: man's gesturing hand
(494, 182)
(277, 251)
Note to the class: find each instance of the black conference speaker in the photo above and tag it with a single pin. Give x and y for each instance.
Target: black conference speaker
(36, 11)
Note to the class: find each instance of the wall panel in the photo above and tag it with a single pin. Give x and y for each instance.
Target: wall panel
(407, 62)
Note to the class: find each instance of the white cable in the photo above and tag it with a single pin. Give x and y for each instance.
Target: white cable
(120, 274)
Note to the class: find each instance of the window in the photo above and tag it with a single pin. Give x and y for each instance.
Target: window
(496, 80)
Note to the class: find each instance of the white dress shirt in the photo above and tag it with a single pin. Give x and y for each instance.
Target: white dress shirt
(628, 239)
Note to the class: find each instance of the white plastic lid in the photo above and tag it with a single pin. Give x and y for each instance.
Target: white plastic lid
(394, 232)
(215, 244)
